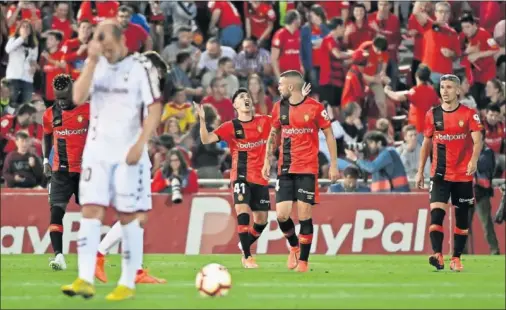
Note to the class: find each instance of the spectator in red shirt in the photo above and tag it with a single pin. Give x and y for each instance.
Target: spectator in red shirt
(260, 18)
(358, 30)
(285, 52)
(51, 64)
(227, 21)
(354, 89)
(175, 167)
(75, 50)
(388, 25)
(137, 39)
(218, 100)
(415, 31)
(97, 11)
(440, 41)
(23, 10)
(61, 20)
(480, 48)
(261, 101)
(491, 13)
(336, 9)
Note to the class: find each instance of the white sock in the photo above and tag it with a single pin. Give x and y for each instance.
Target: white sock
(142, 248)
(112, 238)
(132, 253)
(87, 245)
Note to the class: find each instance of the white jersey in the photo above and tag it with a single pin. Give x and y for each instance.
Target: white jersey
(120, 94)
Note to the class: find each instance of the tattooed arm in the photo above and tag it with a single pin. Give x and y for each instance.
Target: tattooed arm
(272, 143)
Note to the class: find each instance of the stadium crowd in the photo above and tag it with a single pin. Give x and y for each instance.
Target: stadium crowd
(375, 65)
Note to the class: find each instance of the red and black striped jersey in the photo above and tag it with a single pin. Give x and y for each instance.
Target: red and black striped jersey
(299, 125)
(247, 142)
(452, 144)
(69, 129)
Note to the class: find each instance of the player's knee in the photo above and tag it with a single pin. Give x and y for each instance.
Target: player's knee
(260, 217)
(93, 212)
(57, 213)
(306, 227)
(143, 218)
(304, 211)
(241, 208)
(126, 218)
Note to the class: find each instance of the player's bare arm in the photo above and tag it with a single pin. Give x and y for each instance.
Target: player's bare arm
(205, 136)
(46, 150)
(148, 129)
(424, 154)
(477, 147)
(272, 143)
(332, 145)
(83, 83)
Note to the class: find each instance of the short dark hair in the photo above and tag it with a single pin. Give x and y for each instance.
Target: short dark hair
(251, 39)
(350, 108)
(58, 35)
(319, 11)
(22, 135)
(224, 60)
(156, 60)
(182, 57)
(126, 9)
(116, 31)
(238, 92)
(335, 22)
(468, 17)
(215, 81)
(213, 40)
(494, 108)
(407, 128)
(291, 16)
(83, 21)
(352, 172)
(26, 108)
(381, 43)
(376, 136)
(423, 73)
(184, 29)
(62, 82)
(291, 73)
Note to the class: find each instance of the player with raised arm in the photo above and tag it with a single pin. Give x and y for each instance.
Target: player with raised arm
(296, 120)
(113, 236)
(454, 131)
(123, 89)
(246, 137)
(65, 129)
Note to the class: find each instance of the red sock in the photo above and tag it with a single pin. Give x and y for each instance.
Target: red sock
(99, 254)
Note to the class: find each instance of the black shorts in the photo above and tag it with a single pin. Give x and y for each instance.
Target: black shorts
(459, 192)
(293, 187)
(254, 195)
(331, 94)
(61, 188)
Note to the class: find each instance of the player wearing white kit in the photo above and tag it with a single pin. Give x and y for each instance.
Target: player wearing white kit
(122, 89)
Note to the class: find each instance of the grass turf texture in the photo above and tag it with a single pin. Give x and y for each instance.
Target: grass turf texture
(349, 281)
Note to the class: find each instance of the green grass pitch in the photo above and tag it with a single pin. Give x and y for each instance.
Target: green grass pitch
(348, 281)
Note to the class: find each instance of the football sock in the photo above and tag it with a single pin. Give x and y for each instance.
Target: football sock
(131, 253)
(87, 245)
(242, 230)
(461, 230)
(288, 229)
(255, 232)
(139, 270)
(112, 238)
(436, 234)
(56, 229)
(305, 238)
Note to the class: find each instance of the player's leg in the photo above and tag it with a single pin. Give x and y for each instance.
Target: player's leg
(143, 275)
(94, 195)
(307, 195)
(112, 238)
(242, 198)
(259, 224)
(285, 196)
(439, 192)
(60, 191)
(463, 199)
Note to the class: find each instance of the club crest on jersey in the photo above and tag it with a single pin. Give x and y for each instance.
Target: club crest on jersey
(240, 197)
(259, 128)
(4, 123)
(461, 123)
(80, 118)
(306, 117)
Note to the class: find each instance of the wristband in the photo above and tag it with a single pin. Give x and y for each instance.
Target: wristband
(46, 161)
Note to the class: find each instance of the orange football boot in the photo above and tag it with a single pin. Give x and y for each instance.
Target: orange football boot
(143, 276)
(302, 266)
(456, 264)
(249, 263)
(437, 261)
(100, 269)
(293, 257)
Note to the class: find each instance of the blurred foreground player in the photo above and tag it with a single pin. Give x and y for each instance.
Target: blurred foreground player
(246, 137)
(113, 236)
(296, 120)
(65, 130)
(455, 133)
(125, 111)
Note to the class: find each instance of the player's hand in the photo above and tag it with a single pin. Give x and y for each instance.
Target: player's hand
(47, 170)
(18, 178)
(134, 154)
(419, 180)
(31, 162)
(333, 173)
(200, 111)
(94, 49)
(266, 170)
(350, 155)
(446, 52)
(471, 167)
(306, 89)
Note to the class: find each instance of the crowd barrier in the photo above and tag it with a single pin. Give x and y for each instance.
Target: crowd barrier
(205, 223)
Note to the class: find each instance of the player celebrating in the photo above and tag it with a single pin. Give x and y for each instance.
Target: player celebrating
(123, 88)
(297, 119)
(65, 129)
(455, 131)
(246, 136)
(113, 236)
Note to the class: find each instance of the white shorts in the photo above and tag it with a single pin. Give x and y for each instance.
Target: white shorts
(127, 188)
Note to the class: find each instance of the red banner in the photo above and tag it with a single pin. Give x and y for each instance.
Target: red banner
(205, 223)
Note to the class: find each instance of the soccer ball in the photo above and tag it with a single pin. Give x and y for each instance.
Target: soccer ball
(213, 280)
